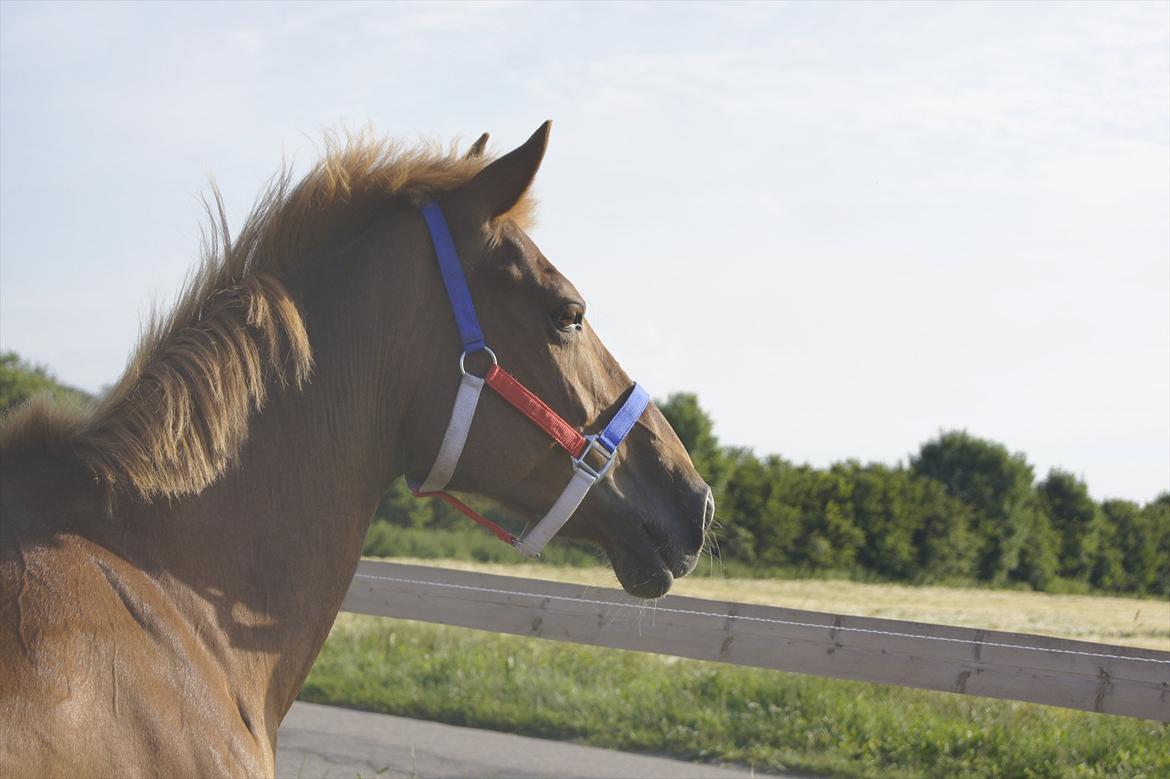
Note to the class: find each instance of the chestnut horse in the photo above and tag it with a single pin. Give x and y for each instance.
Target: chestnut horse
(173, 559)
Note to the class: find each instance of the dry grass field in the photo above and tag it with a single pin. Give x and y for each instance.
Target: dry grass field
(1143, 622)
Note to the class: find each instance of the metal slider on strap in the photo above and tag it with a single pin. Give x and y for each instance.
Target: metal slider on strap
(594, 444)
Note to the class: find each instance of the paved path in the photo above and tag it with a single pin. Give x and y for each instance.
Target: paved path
(324, 741)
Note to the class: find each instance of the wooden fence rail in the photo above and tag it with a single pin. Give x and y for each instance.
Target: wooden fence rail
(1015, 666)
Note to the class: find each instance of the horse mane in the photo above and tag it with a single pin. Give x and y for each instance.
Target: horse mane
(178, 416)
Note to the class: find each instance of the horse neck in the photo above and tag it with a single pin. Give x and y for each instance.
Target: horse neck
(269, 550)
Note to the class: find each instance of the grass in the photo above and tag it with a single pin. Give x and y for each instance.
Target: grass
(770, 720)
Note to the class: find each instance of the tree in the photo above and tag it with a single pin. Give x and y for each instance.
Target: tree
(797, 515)
(695, 429)
(1135, 553)
(1108, 564)
(914, 530)
(742, 504)
(832, 538)
(888, 519)
(20, 380)
(1039, 562)
(1076, 519)
(998, 486)
(1139, 539)
(945, 539)
(1157, 514)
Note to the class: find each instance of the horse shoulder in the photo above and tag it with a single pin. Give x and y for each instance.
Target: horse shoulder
(99, 671)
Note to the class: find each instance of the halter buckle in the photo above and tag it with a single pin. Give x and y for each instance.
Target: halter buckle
(594, 445)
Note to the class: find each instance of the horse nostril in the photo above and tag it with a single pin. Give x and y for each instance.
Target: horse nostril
(708, 512)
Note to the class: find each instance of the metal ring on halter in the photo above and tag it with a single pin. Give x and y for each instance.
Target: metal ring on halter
(490, 353)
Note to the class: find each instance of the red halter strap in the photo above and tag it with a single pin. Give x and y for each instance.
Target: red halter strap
(511, 390)
(470, 513)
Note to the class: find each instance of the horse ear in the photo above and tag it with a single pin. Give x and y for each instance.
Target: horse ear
(499, 186)
(477, 148)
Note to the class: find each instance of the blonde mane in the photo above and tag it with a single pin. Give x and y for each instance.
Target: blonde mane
(176, 419)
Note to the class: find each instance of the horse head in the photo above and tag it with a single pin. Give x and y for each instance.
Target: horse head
(651, 511)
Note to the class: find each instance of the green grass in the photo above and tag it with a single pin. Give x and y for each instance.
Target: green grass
(714, 712)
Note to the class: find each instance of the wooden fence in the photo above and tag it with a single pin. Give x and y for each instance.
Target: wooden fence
(1015, 666)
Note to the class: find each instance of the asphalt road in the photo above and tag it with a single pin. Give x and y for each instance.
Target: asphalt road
(323, 741)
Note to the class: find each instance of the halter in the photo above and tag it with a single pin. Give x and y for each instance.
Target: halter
(602, 446)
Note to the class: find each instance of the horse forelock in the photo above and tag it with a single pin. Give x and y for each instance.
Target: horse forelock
(179, 414)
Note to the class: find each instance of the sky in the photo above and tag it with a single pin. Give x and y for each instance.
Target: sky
(845, 226)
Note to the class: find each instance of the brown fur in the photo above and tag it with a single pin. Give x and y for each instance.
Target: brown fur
(175, 420)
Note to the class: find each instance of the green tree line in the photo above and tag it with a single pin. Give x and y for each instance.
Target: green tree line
(964, 509)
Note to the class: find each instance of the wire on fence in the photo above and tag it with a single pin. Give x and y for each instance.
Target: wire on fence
(790, 623)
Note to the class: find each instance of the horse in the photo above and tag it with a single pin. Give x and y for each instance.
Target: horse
(174, 556)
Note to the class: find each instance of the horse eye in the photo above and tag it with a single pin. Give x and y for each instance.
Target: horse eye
(569, 318)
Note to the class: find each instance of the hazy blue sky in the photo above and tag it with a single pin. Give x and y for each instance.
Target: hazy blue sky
(846, 226)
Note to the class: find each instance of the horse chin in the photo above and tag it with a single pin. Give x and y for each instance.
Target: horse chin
(648, 584)
(644, 576)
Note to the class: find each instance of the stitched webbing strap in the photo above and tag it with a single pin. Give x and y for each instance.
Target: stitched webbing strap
(453, 279)
(536, 539)
(462, 414)
(623, 421)
(511, 390)
(471, 514)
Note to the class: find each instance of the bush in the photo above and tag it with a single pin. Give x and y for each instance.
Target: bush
(465, 543)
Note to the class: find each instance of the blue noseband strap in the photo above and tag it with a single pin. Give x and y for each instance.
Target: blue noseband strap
(623, 421)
